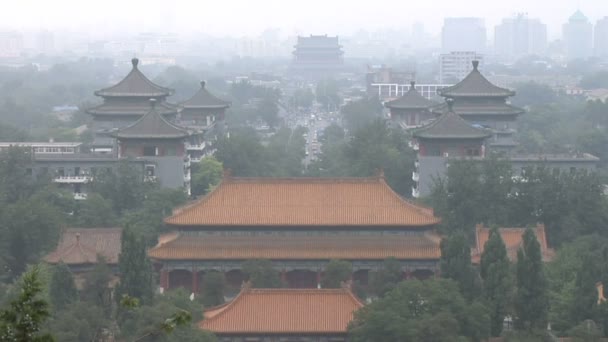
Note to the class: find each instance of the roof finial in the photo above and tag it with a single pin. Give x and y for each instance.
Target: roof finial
(77, 237)
(134, 61)
(450, 102)
(153, 103)
(203, 84)
(475, 64)
(412, 84)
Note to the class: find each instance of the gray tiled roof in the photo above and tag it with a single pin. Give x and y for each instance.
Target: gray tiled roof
(134, 108)
(451, 126)
(135, 84)
(475, 85)
(411, 100)
(464, 109)
(204, 99)
(152, 126)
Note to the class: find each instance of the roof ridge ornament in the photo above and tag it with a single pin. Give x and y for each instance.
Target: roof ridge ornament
(450, 102)
(134, 62)
(475, 64)
(203, 84)
(153, 103)
(412, 84)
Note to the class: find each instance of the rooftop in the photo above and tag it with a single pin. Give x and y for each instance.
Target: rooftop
(152, 126)
(204, 99)
(79, 246)
(462, 108)
(131, 108)
(451, 126)
(176, 246)
(475, 85)
(135, 84)
(284, 311)
(411, 100)
(289, 202)
(513, 239)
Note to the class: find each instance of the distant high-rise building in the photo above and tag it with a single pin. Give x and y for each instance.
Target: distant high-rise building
(520, 36)
(578, 36)
(601, 37)
(11, 44)
(463, 34)
(45, 42)
(454, 66)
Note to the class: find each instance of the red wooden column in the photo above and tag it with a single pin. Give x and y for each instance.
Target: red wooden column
(194, 280)
(164, 278)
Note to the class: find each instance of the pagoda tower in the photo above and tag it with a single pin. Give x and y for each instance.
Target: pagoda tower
(160, 144)
(411, 109)
(484, 105)
(449, 136)
(203, 113)
(124, 103)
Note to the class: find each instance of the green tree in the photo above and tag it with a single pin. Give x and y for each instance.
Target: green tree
(97, 289)
(431, 310)
(386, 278)
(496, 275)
(261, 274)
(336, 273)
(62, 288)
(95, 211)
(213, 289)
(135, 269)
(327, 94)
(206, 175)
(531, 300)
(78, 321)
(360, 113)
(242, 152)
(14, 182)
(23, 319)
(456, 264)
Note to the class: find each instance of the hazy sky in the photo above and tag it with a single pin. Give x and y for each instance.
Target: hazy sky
(250, 17)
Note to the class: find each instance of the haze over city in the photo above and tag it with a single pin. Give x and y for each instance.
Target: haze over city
(250, 18)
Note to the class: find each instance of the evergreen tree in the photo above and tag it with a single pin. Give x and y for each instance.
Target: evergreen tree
(336, 272)
(213, 289)
(136, 276)
(495, 273)
(62, 289)
(387, 277)
(22, 320)
(455, 264)
(531, 301)
(96, 286)
(261, 274)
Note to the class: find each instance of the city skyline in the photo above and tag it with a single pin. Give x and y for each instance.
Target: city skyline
(245, 18)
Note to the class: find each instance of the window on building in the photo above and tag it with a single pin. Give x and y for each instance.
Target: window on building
(472, 152)
(150, 170)
(150, 151)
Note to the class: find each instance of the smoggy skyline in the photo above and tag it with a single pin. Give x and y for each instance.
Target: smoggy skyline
(250, 18)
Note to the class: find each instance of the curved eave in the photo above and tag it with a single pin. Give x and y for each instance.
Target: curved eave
(104, 93)
(224, 106)
(149, 136)
(452, 137)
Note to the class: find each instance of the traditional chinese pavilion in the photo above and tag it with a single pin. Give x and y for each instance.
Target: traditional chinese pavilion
(513, 239)
(126, 102)
(160, 144)
(80, 249)
(300, 224)
(411, 109)
(204, 113)
(283, 315)
(448, 136)
(482, 103)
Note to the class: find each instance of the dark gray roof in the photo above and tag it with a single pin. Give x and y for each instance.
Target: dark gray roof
(451, 126)
(462, 108)
(152, 126)
(475, 85)
(138, 108)
(411, 100)
(135, 84)
(204, 99)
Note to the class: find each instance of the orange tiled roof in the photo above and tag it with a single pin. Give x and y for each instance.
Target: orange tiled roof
(284, 311)
(513, 239)
(82, 245)
(303, 202)
(184, 247)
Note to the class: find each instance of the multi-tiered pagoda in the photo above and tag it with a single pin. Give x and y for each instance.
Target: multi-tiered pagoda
(411, 109)
(485, 105)
(124, 103)
(203, 113)
(300, 224)
(160, 145)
